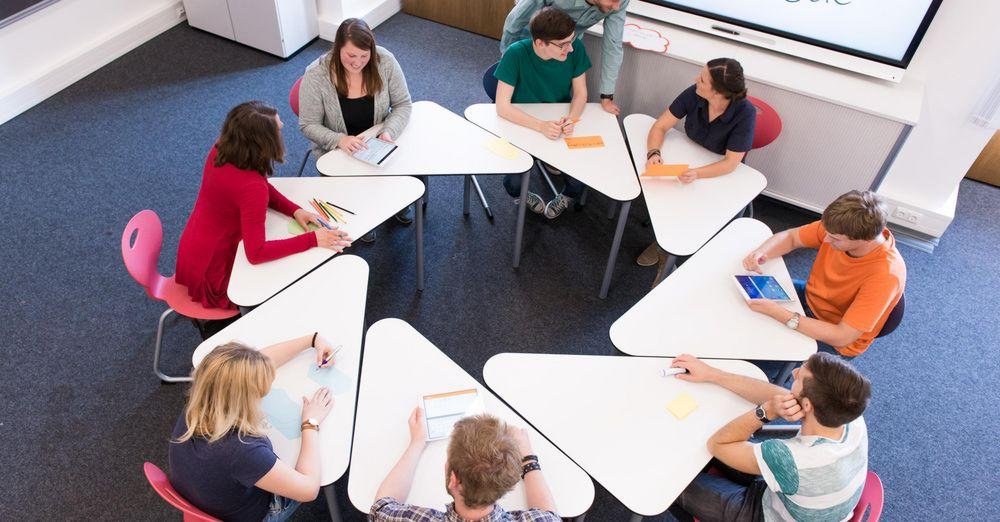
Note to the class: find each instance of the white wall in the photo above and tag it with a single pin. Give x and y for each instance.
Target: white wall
(958, 60)
(44, 53)
(332, 12)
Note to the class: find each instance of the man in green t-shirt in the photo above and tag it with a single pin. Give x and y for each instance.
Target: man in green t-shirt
(549, 68)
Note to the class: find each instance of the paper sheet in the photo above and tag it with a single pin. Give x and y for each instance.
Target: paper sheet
(584, 142)
(682, 406)
(501, 147)
(283, 414)
(294, 228)
(665, 170)
(338, 381)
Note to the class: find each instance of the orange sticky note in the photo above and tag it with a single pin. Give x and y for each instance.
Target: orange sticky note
(665, 170)
(584, 142)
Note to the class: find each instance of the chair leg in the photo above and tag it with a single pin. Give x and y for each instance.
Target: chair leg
(156, 351)
(548, 180)
(482, 198)
(304, 160)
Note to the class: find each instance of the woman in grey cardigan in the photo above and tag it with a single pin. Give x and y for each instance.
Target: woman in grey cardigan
(354, 87)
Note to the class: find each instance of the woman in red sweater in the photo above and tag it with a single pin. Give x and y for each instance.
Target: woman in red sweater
(232, 204)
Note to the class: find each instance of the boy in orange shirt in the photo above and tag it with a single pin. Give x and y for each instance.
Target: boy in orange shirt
(856, 281)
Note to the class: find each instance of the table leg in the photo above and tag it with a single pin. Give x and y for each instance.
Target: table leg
(785, 373)
(465, 201)
(331, 502)
(615, 246)
(665, 270)
(580, 518)
(612, 206)
(419, 231)
(636, 518)
(521, 207)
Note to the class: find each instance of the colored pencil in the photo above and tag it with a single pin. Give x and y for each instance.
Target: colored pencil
(341, 208)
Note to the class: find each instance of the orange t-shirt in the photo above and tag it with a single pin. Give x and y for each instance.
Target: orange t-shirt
(860, 291)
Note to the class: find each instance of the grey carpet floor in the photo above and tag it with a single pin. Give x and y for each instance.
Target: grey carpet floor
(81, 411)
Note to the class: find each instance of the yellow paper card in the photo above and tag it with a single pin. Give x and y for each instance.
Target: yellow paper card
(682, 406)
(665, 170)
(502, 148)
(584, 142)
(294, 228)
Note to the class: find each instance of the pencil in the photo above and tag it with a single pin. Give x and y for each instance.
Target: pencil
(322, 210)
(336, 215)
(341, 208)
(317, 208)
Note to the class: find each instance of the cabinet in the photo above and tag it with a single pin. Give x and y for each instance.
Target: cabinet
(278, 27)
(483, 17)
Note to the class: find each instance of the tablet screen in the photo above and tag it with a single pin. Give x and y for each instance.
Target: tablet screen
(443, 410)
(762, 287)
(377, 151)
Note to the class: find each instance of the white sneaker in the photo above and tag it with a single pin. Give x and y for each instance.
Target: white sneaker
(557, 206)
(534, 203)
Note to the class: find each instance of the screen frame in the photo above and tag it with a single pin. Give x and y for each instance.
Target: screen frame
(903, 63)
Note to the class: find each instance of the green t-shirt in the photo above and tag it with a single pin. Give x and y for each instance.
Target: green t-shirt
(541, 81)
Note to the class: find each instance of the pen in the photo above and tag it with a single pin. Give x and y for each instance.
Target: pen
(341, 208)
(332, 355)
(666, 372)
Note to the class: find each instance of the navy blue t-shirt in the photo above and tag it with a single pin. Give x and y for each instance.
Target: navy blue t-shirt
(219, 477)
(733, 130)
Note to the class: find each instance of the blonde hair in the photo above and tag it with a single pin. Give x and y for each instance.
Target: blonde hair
(857, 215)
(484, 455)
(228, 387)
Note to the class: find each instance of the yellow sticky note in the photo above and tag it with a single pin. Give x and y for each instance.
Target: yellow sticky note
(584, 142)
(682, 406)
(665, 170)
(502, 148)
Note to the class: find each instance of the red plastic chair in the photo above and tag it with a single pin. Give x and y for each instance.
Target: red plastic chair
(293, 100)
(872, 498)
(158, 479)
(141, 255)
(766, 130)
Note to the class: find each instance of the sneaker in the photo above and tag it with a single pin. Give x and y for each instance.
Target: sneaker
(534, 204)
(369, 237)
(557, 205)
(551, 170)
(649, 256)
(404, 216)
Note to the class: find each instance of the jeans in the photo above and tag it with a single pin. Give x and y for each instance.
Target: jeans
(731, 497)
(281, 509)
(512, 182)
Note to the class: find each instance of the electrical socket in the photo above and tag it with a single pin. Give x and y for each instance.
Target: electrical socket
(908, 215)
(180, 11)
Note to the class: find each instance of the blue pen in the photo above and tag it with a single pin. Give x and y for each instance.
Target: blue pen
(325, 224)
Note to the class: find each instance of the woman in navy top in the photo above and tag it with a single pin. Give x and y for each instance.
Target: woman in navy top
(717, 116)
(220, 458)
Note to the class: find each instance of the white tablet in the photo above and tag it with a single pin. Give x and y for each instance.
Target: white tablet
(377, 152)
(761, 287)
(443, 410)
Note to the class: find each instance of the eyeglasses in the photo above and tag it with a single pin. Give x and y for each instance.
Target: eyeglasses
(561, 45)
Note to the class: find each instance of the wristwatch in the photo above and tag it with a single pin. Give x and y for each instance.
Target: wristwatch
(793, 323)
(761, 415)
(608, 97)
(310, 424)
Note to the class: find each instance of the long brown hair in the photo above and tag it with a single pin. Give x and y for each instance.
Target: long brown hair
(250, 138)
(356, 31)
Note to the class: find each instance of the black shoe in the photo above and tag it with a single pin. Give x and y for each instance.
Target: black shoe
(405, 216)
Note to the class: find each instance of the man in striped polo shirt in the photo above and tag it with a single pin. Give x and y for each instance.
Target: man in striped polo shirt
(816, 476)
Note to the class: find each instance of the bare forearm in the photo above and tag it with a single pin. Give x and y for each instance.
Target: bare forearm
(512, 113)
(779, 244)
(283, 352)
(400, 478)
(537, 493)
(308, 461)
(719, 168)
(750, 389)
(737, 430)
(576, 105)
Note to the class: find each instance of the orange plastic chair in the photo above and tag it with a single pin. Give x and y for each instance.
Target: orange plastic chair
(141, 244)
(158, 479)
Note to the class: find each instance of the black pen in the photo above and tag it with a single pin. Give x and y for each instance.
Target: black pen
(341, 208)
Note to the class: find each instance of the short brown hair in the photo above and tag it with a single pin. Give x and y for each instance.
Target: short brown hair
(250, 138)
(727, 78)
(485, 458)
(551, 23)
(857, 215)
(838, 392)
(356, 31)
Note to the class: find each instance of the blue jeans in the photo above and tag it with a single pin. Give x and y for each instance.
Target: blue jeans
(734, 496)
(281, 509)
(512, 182)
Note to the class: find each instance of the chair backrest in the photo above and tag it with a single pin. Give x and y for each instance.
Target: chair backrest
(293, 96)
(895, 317)
(490, 82)
(768, 125)
(872, 497)
(158, 479)
(142, 254)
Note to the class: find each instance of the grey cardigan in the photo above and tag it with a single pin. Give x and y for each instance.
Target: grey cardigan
(320, 117)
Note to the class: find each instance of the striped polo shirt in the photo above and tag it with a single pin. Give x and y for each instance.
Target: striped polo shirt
(813, 478)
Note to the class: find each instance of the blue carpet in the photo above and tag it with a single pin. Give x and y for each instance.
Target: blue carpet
(81, 409)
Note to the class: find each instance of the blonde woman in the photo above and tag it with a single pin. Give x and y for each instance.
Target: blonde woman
(220, 458)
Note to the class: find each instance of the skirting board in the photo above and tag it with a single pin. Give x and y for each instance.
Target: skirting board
(373, 11)
(66, 73)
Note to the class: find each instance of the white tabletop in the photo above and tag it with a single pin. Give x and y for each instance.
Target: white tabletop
(609, 414)
(606, 169)
(699, 310)
(686, 216)
(331, 301)
(400, 366)
(436, 141)
(373, 200)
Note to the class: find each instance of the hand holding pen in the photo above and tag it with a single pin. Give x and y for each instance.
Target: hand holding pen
(567, 124)
(325, 353)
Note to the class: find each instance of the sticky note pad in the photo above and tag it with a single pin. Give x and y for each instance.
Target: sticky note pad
(665, 170)
(584, 142)
(294, 228)
(502, 148)
(682, 406)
